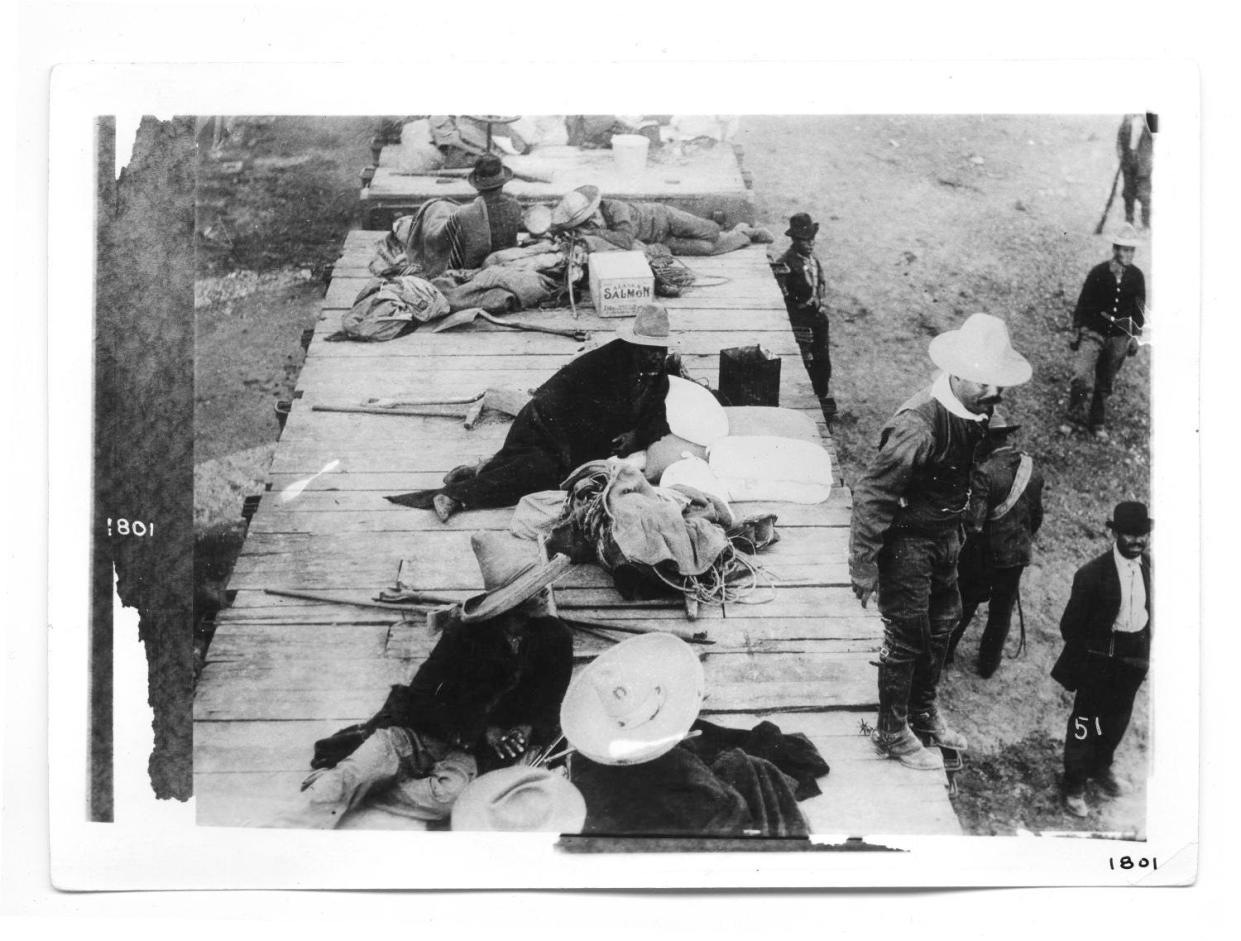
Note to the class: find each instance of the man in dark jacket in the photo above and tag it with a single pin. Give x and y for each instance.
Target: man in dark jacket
(607, 401)
(800, 276)
(1135, 147)
(1106, 628)
(1006, 510)
(1107, 322)
(489, 691)
(905, 538)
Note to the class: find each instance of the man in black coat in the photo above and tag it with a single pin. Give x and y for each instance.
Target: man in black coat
(800, 276)
(607, 401)
(1107, 633)
(1006, 510)
(489, 691)
(1107, 321)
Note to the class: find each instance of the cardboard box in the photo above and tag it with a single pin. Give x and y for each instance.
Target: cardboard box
(620, 283)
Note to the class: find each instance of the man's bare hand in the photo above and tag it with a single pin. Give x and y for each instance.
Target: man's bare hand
(508, 743)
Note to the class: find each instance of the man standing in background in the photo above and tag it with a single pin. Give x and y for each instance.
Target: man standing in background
(800, 276)
(1136, 149)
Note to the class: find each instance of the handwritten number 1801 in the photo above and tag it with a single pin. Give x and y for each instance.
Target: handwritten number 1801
(124, 527)
(1128, 862)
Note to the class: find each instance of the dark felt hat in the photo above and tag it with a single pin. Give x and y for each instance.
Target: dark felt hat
(489, 173)
(1131, 519)
(801, 227)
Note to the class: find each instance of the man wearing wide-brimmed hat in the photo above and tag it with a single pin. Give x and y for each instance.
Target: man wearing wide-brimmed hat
(800, 276)
(1107, 324)
(608, 401)
(1106, 628)
(489, 691)
(619, 224)
(905, 538)
(1006, 510)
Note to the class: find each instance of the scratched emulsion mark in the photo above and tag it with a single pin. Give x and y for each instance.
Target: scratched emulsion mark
(144, 440)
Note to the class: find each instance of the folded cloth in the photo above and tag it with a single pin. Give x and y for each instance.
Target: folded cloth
(497, 290)
(767, 791)
(794, 754)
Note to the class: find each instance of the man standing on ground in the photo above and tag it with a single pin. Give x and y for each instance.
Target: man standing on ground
(1006, 510)
(800, 275)
(906, 532)
(1108, 321)
(1107, 634)
(1136, 149)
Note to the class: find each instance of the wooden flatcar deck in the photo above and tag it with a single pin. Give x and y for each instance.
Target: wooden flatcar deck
(282, 673)
(701, 182)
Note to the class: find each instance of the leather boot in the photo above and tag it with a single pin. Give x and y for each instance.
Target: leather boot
(893, 738)
(924, 717)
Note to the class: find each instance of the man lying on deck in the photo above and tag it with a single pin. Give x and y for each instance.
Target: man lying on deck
(611, 224)
(489, 692)
(607, 401)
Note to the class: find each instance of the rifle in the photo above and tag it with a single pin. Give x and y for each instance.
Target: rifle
(1111, 197)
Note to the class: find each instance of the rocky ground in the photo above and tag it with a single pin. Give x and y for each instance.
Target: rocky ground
(924, 220)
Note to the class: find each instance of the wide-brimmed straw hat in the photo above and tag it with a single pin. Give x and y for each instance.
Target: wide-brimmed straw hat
(537, 219)
(980, 351)
(514, 571)
(800, 226)
(648, 328)
(489, 173)
(521, 799)
(635, 701)
(1126, 236)
(576, 207)
(1130, 517)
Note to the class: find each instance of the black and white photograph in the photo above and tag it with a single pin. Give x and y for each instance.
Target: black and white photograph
(617, 486)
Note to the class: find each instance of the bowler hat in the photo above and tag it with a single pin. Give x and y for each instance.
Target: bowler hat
(489, 173)
(635, 701)
(520, 798)
(980, 351)
(514, 571)
(800, 226)
(1126, 236)
(648, 328)
(1130, 518)
(575, 207)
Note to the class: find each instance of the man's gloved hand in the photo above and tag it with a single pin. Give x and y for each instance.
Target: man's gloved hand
(1133, 346)
(864, 586)
(1076, 342)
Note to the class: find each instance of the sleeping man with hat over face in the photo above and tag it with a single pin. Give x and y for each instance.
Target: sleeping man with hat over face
(1107, 636)
(489, 691)
(908, 510)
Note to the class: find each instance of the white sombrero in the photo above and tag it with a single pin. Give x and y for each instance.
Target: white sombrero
(1126, 236)
(520, 799)
(635, 701)
(980, 351)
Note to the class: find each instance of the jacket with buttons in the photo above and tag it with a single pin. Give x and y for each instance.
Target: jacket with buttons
(1109, 307)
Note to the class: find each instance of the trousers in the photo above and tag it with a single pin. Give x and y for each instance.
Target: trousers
(1004, 584)
(1137, 189)
(1099, 720)
(396, 770)
(1095, 366)
(811, 331)
(920, 605)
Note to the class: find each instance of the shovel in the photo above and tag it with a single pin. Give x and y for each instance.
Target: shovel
(470, 314)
